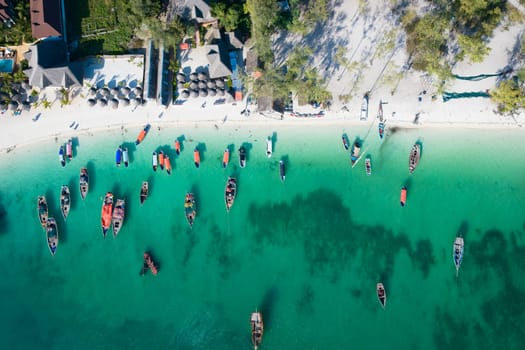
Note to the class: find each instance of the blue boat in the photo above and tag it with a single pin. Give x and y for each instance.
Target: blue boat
(61, 156)
(381, 130)
(118, 156)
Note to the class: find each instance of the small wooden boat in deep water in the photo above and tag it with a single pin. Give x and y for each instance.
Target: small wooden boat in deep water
(84, 183)
(282, 170)
(142, 134)
(257, 324)
(43, 211)
(144, 190)
(242, 157)
(118, 216)
(190, 209)
(381, 294)
(52, 235)
(230, 192)
(403, 196)
(65, 201)
(149, 264)
(459, 246)
(415, 155)
(346, 144)
(196, 157)
(354, 155)
(368, 165)
(107, 213)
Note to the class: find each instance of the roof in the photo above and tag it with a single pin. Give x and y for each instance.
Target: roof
(234, 43)
(46, 18)
(197, 10)
(218, 57)
(49, 65)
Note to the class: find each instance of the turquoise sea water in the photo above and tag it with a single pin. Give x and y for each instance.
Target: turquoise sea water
(307, 252)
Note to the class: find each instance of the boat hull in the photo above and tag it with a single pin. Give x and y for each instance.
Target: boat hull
(52, 235)
(107, 213)
(118, 216)
(42, 210)
(269, 147)
(230, 192)
(415, 155)
(282, 170)
(190, 208)
(381, 294)
(125, 157)
(144, 192)
(457, 253)
(242, 157)
(403, 196)
(84, 183)
(65, 201)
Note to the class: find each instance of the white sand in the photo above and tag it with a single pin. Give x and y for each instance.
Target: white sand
(360, 35)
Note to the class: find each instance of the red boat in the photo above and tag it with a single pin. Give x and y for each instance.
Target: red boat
(149, 264)
(142, 134)
(403, 196)
(177, 147)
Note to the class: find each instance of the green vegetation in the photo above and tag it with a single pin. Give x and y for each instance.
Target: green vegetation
(263, 15)
(15, 34)
(231, 15)
(510, 94)
(305, 14)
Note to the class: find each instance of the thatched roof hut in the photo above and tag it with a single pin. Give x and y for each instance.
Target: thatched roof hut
(202, 85)
(92, 102)
(92, 91)
(181, 77)
(194, 93)
(202, 76)
(203, 93)
(193, 76)
(185, 94)
(212, 92)
(219, 83)
(220, 92)
(103, 102)
(210, 84)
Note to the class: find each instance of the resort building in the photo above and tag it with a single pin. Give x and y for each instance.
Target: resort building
(47, 18)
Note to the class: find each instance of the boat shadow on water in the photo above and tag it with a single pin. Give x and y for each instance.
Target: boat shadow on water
(268, 302)
(4, 223)
(421, 150)
(90, 166)
(73, 192)
(53, 206)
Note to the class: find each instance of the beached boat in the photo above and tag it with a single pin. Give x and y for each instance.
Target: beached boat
(84, 183)
(269, 147)
(144, 190)
(52, 235)
(346, 144)
(364, 107)
(125, 157)
(354, 155)
(282, 170)
(65, 201)
(225, 158)
(161, 160)
(256, 321)
(196, 157)
(69, 149)
(368, 165)
(242, 157)
(149, 264)
(167, 164)
(230, 192)
(190, 209)
(107, 213)
(154, 161)
(381, 129)
(61, 156)
(142, 134)
(118, 216)
(118, 156)
(381, 294)
(177, 147)
(413, 160)
(458, 252)
(403, 196)
(42, 210)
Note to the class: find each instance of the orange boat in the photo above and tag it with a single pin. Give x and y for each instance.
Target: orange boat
(226, 158)
(149, 264)
(196, 157)
(107, 213)
(403, 197)
(167, 164)
(177, 147)
(142, 134)
(161, 160)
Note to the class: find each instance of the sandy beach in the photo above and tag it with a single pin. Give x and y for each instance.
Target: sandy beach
(413, 98)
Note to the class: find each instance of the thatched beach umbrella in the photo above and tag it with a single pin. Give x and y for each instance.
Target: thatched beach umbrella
(113, 103)
(135, 102)
(220, 92)
(202, 76)
(125, 102)
(203, 93)
(219, 83)
(193, 85)
(185, 94)
(140, 101)
(92, 91)
(92, 102)
(13, 105)
(180, 86)
(137, 91)
(202, 85)
(3, 106)
(194, 93)
(210, 84)
(114, 91)
(212, 92)
(125, 91)
(181, 77)
(26, 105)
(103, 92)
(103, 102)
(193, 76)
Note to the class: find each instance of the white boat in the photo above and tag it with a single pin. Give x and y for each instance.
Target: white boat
(154, 161)
(282, 170)
(459, 247)
(368, 165)
(269, 147)
(125, 157)
(415, 155)
(364, 108)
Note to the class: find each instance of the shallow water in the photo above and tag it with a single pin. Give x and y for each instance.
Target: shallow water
(307, 252)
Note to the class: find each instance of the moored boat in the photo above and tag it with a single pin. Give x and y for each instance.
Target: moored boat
(381, 128)
(364, 107)
(52, 235)
(149, 264)
(242, 157)
(142, 134)
(381, 294)
(225, 158)
(107, 213)
(190, 209)
(403, 196)
(177, 147)
(154, 161)
(65, 201)
(84, 183)
(269, 147)
(61, 156)
(368, 165)
(257, 324)
(415, 154)
(144, 190)
(354, 155)
(125, 157)
(196, 157)
(346, 145)
(282, 170)
(458, 252)
(230, 192)
(118, 216)
(43, 212)
(118, 156)
(161, 160)
(69, 149)
(167, 164)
